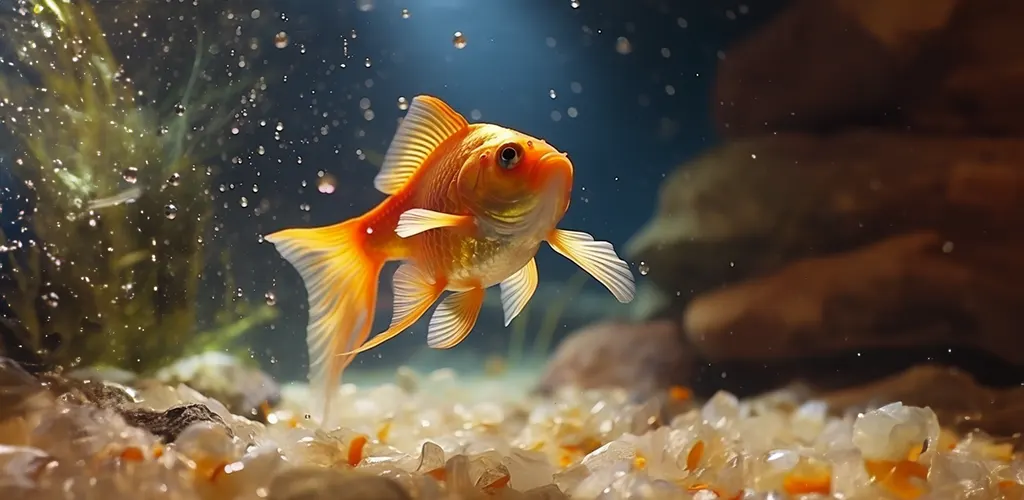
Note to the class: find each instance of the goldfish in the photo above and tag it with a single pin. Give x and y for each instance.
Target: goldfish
(468, 207)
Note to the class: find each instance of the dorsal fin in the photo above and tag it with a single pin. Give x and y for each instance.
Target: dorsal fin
(429, 122)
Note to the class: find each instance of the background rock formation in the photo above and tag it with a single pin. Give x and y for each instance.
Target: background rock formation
(863, 214)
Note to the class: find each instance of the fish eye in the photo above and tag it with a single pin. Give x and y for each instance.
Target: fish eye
(509, 155)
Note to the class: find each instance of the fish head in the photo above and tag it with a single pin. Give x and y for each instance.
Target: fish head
(514, 179)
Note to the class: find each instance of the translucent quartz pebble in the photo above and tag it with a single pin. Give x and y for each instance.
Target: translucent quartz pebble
(86, 432)
(835, 437)
(661, 453)
(387, 458)
(407, 379)
(309, 483)
(246, 479)
(775, 495)
(528, 469)
(769, 470)
(849, 477)
(487, 472)
(949, 469)
(981, 444)
(893, 431)
(686, 420)
(809, 420)
(456, 475)
(20, 466)
(22, 396)
(152, 395)
(729, 477)
(486, 414)
(722, 410)
(431, 459)
(640, 486)
(117, 479)
(645, 416)
(478, 443)
(549, 492)
(417, 485)
(208, 446)
(338, 448)
(379, 401)
(569, 479)
(760, 433)
(966, 490)
(600, 480)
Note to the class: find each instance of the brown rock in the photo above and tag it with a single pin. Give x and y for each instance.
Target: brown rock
(824, 63)
(641, 357)
(245, 390)
(904, 291)
(168, 424)
(752, 206)
(943, 66)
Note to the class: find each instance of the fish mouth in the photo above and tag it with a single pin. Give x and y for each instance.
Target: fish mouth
(554, 163)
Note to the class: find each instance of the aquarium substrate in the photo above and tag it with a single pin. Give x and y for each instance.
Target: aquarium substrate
(438, 436)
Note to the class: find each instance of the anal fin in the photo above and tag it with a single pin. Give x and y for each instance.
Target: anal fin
(516, 290)
(454, 318)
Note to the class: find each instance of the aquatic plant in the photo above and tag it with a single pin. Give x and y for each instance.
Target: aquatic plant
(112, 273)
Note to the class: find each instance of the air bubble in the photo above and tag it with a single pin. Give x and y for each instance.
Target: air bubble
(281, 40)
(459, 40)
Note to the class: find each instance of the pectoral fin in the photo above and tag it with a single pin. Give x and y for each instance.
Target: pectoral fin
(597, 258)
(417, 220)
(454, 318)
(517, 289)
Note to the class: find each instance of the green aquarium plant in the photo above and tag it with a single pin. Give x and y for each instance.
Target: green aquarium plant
(112, 273)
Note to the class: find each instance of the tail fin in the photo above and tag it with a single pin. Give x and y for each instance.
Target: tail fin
(341, 287)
